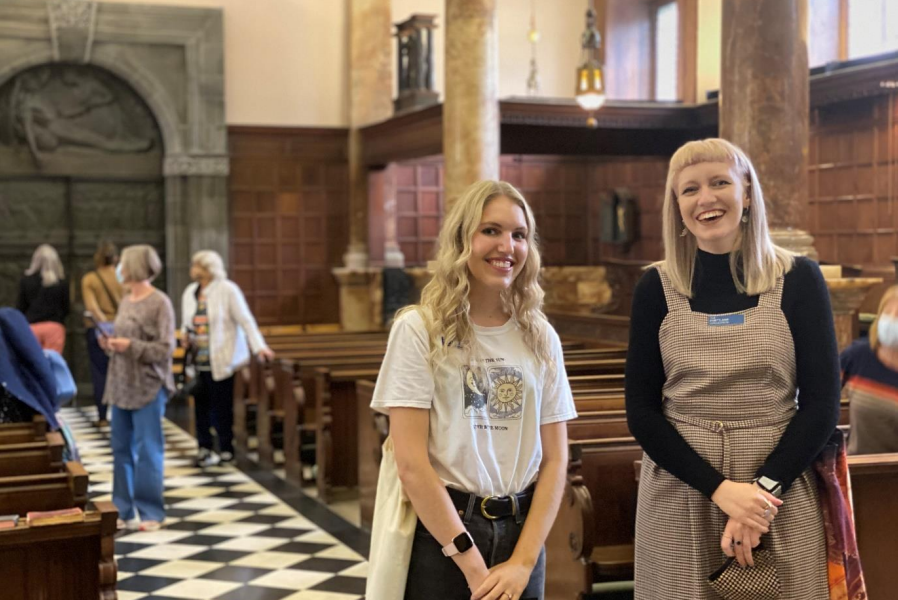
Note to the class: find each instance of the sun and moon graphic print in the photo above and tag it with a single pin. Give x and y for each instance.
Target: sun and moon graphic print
(500, 397)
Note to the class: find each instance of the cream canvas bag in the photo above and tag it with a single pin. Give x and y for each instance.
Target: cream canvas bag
(392, 533)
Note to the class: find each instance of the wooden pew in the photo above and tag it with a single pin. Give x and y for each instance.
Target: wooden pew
(241, 407)
(337, 409)
(606, 465)
(569, 544)
(43, 456)
(18, 433)
(273, 408)
(46, 491)
(599, 424)
(61, 562)
(874, 486)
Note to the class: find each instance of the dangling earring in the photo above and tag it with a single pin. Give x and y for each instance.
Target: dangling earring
(685, 231)
(745, 215)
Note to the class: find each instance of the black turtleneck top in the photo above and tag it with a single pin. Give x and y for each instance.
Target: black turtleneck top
(806, 306)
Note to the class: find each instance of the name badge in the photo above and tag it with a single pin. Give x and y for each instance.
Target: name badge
(725, 320)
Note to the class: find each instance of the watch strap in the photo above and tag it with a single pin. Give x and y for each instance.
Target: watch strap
(461, 543)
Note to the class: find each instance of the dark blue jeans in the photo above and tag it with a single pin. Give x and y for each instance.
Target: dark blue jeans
(432, 575)
(99, 364)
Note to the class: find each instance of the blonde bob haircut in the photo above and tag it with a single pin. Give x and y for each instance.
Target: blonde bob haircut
(762, 262)
(445, 306)
(45, 261)
(140, 263)
(211, 261)
(890, 295)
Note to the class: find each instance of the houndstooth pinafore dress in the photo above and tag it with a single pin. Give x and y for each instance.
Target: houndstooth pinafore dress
(730, 391)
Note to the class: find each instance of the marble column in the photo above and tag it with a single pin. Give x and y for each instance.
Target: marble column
(370, 101)
(764, 106)
(471, 105)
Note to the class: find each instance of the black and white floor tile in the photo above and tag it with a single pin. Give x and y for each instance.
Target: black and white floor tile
(226, 537)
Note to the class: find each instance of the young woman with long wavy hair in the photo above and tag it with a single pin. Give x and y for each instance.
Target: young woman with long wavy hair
(475, 386)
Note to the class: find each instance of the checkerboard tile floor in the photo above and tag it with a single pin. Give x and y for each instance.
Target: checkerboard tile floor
(225, 538)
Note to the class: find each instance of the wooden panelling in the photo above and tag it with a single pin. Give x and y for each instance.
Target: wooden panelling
(289, 203)
(853, 183)
(564, 193)
(419, 208)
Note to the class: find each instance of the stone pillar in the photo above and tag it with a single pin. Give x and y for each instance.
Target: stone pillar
(471, 105)
(370, 100)
(197, 216)
(846, 296)
(764, 106)
(393, 256)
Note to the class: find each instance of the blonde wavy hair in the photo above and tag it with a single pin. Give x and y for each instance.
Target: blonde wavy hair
(45, 261)
(889, 295)
(445, 307)
(762, 262)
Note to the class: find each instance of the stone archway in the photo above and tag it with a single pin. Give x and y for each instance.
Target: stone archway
(173, 58)
(171, 61)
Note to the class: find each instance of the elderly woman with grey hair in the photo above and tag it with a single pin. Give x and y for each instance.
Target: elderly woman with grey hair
(219, 323)
(44, 298)
(138, 384)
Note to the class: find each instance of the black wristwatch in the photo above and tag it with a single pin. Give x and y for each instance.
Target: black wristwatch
(771, 486)
(462, 543)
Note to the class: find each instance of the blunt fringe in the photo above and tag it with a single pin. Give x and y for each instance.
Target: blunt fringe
(762, 262)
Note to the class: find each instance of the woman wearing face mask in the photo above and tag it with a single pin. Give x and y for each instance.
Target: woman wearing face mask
(137, 386)
(724, 333)
(475, 386)
(215, 314)
(870, 379)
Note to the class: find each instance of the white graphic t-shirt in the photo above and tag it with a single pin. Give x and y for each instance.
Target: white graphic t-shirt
(484, 427)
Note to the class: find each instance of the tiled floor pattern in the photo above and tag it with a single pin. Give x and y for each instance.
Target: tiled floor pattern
(226, 537)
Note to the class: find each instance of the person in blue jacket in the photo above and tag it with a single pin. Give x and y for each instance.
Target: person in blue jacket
(27, 383)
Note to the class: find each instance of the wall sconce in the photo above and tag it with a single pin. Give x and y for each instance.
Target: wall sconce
(590, 92)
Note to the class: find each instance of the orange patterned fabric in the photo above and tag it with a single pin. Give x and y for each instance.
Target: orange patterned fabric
(846, 577)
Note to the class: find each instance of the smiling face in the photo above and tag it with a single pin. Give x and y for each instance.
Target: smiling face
(499, 247)
(711, 197)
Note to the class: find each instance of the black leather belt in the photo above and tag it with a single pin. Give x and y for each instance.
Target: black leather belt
(494, 507)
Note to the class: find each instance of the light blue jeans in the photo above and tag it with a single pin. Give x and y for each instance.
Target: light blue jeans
(138, 449)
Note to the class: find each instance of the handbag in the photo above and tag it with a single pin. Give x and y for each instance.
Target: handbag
(760, 582)
(65, 383)
(392, 533)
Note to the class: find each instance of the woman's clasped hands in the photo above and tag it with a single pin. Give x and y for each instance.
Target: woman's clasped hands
(505, 581)
(751, 511)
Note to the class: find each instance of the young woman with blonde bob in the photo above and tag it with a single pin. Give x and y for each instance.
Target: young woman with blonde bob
(732, 388)
(475, 386)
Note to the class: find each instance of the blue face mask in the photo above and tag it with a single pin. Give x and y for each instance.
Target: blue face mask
(887, 330)
(118, 274)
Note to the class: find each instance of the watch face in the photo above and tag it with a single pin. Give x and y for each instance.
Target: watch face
(463, 542)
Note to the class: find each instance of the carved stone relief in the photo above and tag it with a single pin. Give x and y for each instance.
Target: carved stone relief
(54, 117)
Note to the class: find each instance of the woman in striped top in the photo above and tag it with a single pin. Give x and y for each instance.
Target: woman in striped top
(870, 380)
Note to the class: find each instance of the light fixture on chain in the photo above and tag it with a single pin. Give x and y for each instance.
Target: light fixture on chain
(590, 92)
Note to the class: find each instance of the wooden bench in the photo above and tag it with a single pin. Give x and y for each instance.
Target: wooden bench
(18, 433)
(874, 488)
(45, 491)
(61, 562)
(24, 458)
(337, 409)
